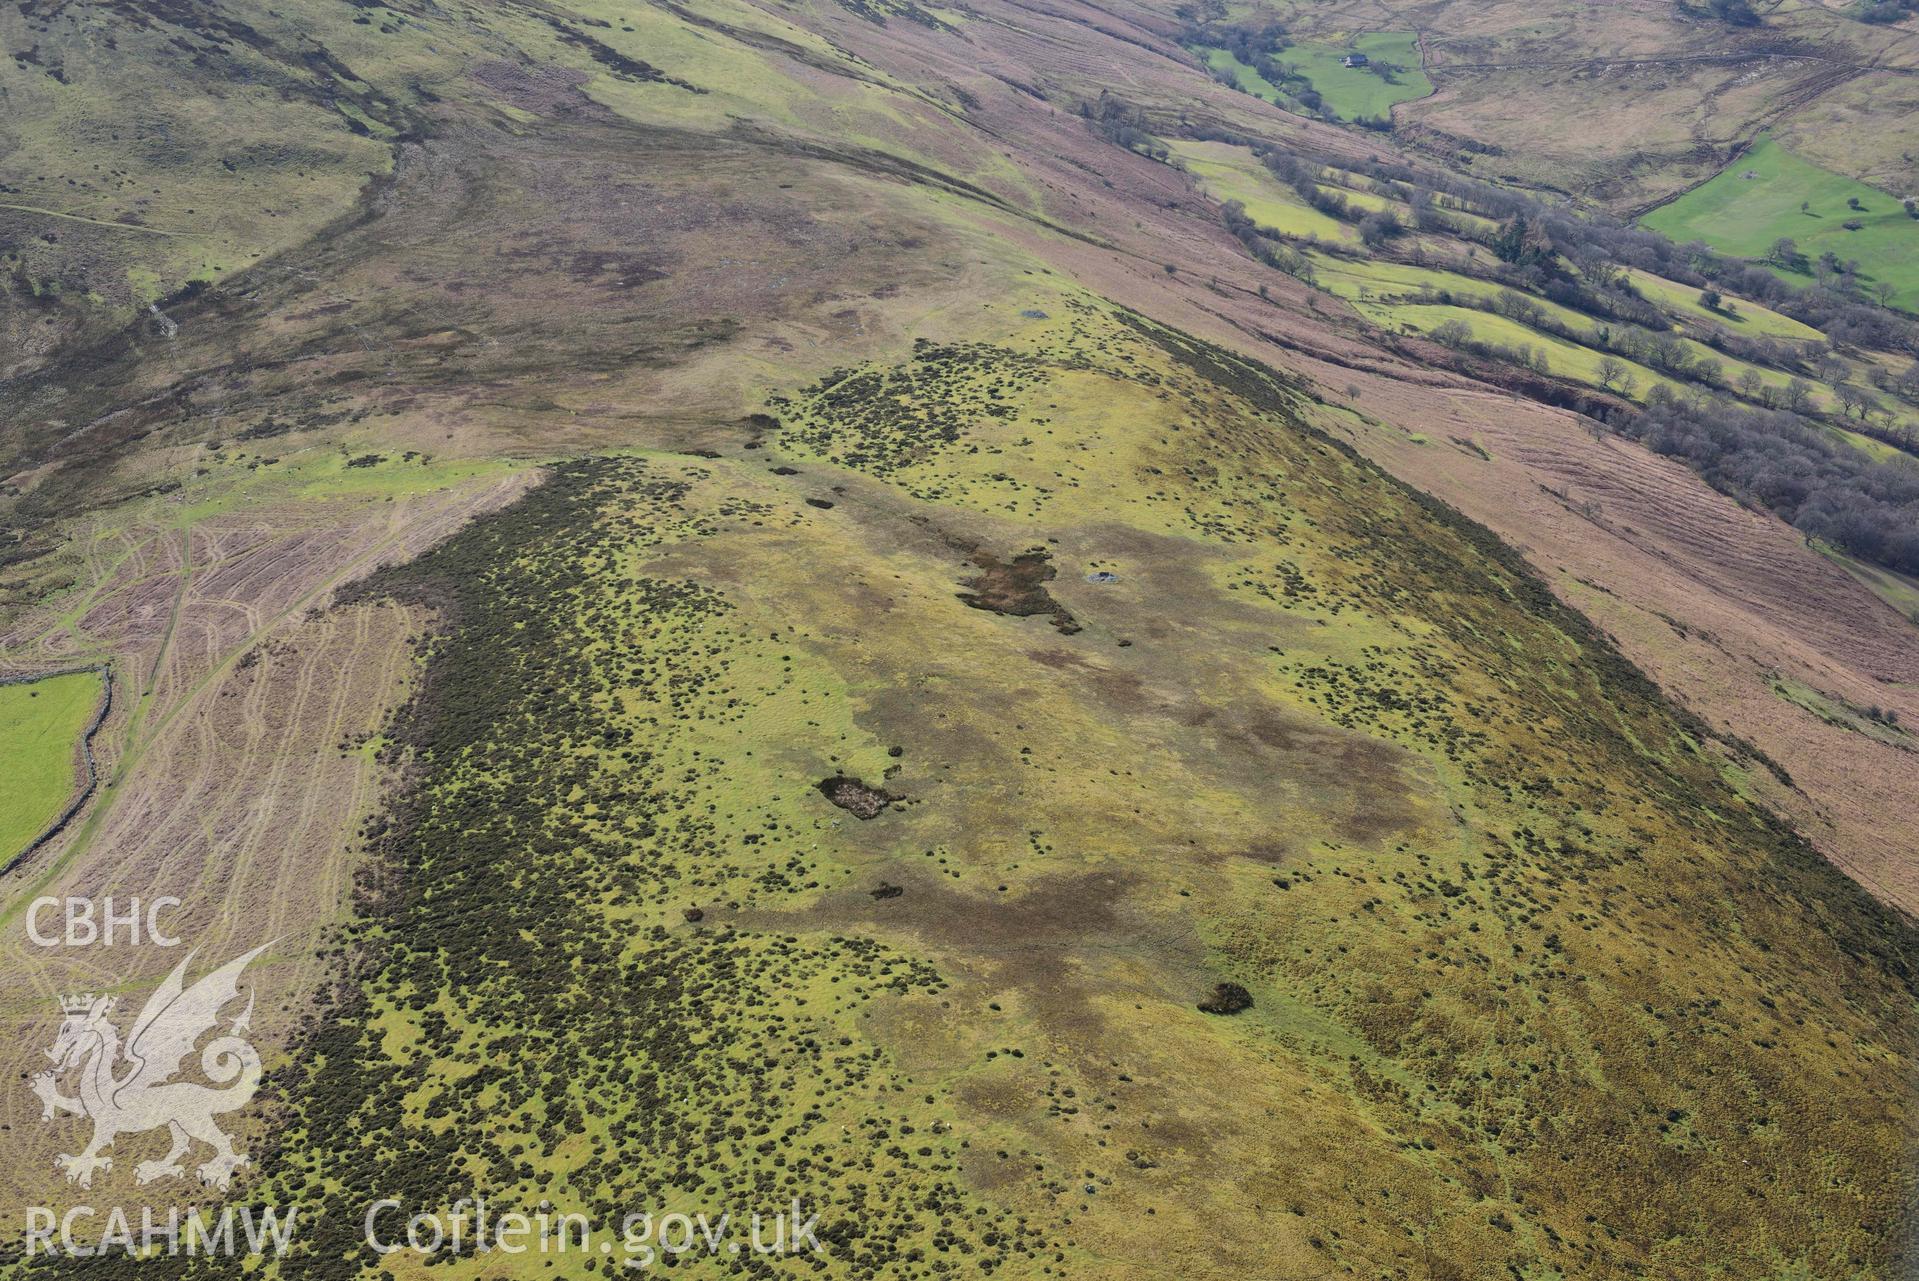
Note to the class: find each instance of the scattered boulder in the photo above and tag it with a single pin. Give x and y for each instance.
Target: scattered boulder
(1227, 998)
(886, 890)
(822, 503)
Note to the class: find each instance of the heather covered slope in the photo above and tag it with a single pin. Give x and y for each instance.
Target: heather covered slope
(646, 539)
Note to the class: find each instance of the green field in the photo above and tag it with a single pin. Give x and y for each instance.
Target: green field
(1231, 69)
(1362, 93)
(1227, 172)
(1471, 225)
(1896, 589)
(1374, 280)
(1387, 290)
(39, 725)
(1565, 359)
(1758, 199)
(1358, 189)
(1371, 201)
(1736, 315)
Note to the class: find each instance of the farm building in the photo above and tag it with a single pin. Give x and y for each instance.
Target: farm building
(1357, 60)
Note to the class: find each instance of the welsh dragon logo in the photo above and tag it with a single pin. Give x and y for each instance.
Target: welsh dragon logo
(131, 1090)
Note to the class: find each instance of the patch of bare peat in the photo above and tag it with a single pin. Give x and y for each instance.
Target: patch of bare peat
(1017, 587)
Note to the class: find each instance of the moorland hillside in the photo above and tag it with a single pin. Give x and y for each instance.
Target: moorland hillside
(953, 613)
